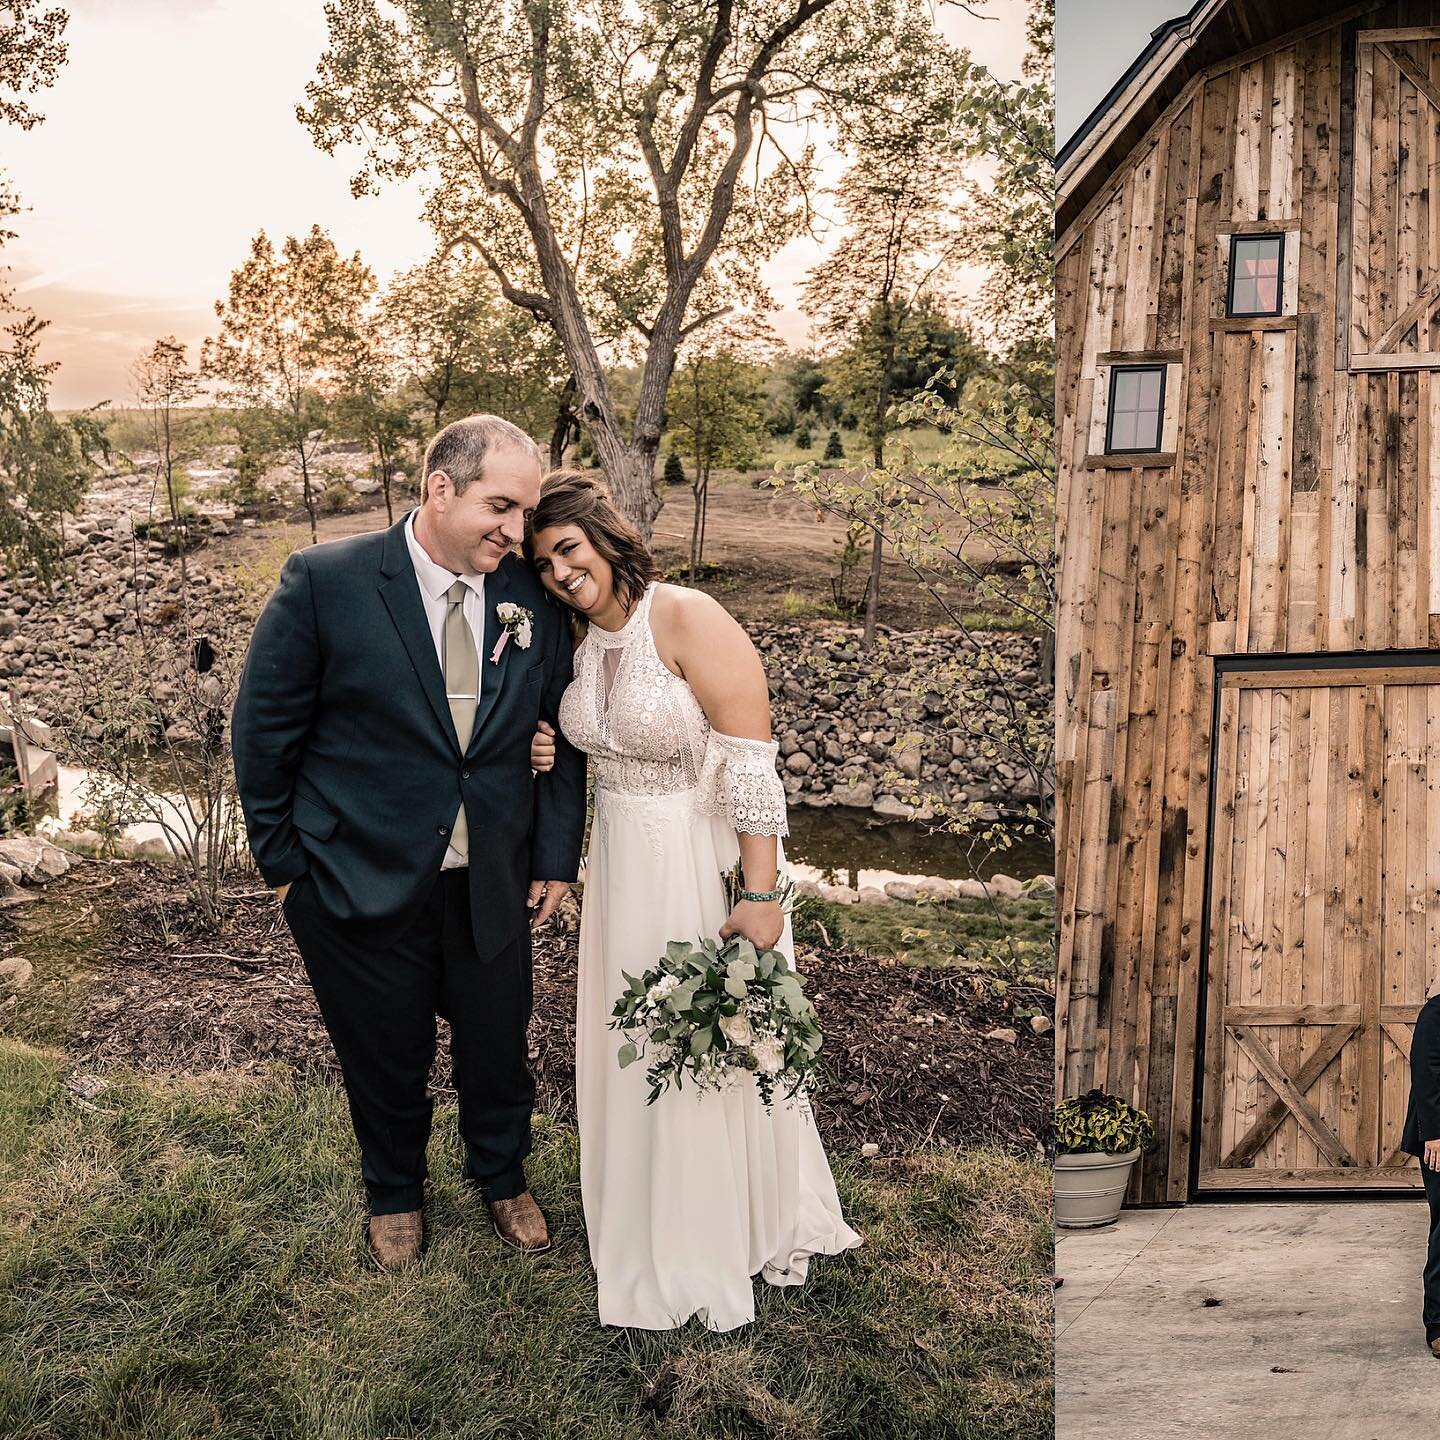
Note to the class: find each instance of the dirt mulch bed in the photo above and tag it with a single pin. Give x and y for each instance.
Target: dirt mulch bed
(907, 1054)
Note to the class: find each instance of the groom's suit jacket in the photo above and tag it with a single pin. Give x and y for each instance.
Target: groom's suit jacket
(1422, 1119)
(347, 760)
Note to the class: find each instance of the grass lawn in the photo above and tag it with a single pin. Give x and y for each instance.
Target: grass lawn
(1008, 935)
(185, 1259)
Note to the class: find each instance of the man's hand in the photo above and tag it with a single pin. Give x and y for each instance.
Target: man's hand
(545, 895)
(281, 891)
(1431, 1159)
(542, 749)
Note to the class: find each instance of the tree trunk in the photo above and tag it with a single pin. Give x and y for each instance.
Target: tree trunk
(872, 593)
(567, 425)
(308, 494)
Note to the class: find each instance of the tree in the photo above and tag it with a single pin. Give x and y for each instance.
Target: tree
(868, 295)
(287, 328)
(976, 525)
(368, 405)
(717, 410)
(45, 462)
(616, 166)
(163, 385)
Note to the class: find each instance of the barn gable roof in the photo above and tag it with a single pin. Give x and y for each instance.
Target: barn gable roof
(1211, 32)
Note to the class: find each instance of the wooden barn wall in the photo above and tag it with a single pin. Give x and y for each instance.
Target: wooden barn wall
(1299, 514)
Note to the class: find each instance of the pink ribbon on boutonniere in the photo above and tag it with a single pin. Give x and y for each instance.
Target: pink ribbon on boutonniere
(499, 646)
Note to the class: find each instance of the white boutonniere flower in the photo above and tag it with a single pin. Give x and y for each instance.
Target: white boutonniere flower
(514, 620)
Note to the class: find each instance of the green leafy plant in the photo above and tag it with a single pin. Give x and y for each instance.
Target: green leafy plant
(1097, 1123)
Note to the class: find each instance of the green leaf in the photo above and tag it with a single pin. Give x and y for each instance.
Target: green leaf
(700, 1041)
(628, 1055)
(736, 988)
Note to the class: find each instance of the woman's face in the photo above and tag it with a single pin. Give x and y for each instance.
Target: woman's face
(571, 568)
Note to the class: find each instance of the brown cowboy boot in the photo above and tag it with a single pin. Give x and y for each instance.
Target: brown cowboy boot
(519, 1222)
(1435, 1347)
(395, 1240)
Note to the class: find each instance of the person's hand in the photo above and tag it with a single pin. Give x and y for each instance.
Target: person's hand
(545, 895)
(1431, 1159)
(761, 922)
(281, 891)
(542, 748)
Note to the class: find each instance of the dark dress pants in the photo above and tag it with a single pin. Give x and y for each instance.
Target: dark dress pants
(379, 1002)
(1431, 1312)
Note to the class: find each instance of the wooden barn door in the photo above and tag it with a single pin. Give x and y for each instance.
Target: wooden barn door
(1393, 238)
(1324, 924)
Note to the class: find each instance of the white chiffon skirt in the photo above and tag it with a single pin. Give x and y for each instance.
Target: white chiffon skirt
(686, 1199)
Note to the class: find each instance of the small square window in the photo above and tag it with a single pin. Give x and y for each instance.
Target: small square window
(1137, 409)
(1257, 267)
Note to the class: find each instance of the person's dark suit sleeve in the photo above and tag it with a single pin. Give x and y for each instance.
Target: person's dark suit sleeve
(273, 710)
(560, 793)
(1425, 1076)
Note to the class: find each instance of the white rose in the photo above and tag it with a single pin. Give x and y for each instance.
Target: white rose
(662, 989)
(736, 1029)
(769, 1055)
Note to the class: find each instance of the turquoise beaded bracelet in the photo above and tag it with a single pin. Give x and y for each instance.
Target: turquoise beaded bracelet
(762, 895)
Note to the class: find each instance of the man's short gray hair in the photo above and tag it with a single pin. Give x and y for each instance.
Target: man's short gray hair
(460, 449)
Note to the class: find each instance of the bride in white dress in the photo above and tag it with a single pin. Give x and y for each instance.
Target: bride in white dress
(686, 1199)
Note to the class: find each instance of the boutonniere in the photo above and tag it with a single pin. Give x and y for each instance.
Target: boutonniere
(514, 620)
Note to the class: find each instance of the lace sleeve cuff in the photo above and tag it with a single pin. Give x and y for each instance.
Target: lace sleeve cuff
(738, 781)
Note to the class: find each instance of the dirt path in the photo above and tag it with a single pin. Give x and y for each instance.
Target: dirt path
(768, 546)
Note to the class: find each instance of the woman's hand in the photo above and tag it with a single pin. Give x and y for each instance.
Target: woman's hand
(761, 922)
(542, 748)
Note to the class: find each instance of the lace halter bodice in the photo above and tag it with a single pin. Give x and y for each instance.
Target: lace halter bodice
(646, 733)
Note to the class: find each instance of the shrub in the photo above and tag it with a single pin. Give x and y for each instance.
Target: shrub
(1100, 1123)
(814, 921)
(834, 450)
(674, 470)
(804, 439)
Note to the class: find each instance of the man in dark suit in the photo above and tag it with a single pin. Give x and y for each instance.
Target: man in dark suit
(1421, 1136)
(381, 736)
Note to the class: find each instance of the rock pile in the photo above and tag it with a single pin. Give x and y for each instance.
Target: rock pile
(838, 746)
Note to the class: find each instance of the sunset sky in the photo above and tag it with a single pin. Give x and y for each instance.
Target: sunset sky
(171, 138)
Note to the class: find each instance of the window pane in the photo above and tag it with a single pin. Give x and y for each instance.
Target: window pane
(1136, 416)
(1257, 278)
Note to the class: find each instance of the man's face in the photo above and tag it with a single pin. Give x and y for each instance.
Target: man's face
(473, 531)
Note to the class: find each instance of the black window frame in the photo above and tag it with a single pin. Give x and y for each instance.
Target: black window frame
(1279, 309)
(1115, 372)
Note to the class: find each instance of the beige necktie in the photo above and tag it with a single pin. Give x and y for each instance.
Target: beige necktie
(461, 663)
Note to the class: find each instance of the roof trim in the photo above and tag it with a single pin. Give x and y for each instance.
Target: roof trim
(1168, 42)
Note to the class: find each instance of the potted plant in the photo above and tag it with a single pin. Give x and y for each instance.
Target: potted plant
(1098, 1137)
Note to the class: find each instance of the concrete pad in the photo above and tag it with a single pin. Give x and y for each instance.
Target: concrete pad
(1317, 1335)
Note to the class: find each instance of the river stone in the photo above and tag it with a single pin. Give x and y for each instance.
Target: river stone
(908, 762)
(1004, 1035)
(899, 889)
(888, 807)
(24, 852)
(15, 973)
(81, 841)
(971, 890)
(1006, 886)
(1039, 885)
(839, 894)
(860, 795)
(870, 895)
(799, 763)
(935, 889)
(155, 848)
(1041, 1024)
(808, 887)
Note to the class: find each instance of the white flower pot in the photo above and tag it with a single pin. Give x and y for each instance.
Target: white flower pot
(1090, 1187)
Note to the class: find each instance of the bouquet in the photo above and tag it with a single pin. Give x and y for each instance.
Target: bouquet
(715, 1011)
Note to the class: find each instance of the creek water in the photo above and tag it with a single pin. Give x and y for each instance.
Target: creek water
(832, 846)
(838, 846)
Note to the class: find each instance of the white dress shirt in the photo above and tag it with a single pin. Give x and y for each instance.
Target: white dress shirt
(434, 581)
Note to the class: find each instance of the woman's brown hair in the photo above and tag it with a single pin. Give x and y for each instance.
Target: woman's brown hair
(570, 497)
